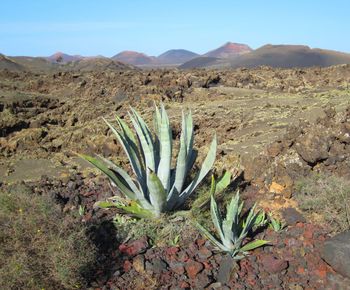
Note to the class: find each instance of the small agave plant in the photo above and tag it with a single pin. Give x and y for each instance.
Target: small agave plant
(156, 187)
(234, 229)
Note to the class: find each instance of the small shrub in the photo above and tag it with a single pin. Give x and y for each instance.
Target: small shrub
(39, 248)
(329, 197)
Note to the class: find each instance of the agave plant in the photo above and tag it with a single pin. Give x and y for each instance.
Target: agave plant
(156, 186)
(233, 230)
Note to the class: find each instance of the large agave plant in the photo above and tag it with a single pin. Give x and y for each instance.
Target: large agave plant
(233, 230)
(156, 186)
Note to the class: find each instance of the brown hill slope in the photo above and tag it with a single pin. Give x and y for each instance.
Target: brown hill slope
(37, 64)
(9, 64)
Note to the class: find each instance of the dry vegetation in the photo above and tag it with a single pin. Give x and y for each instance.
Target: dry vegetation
(39, 248)
(327, 196)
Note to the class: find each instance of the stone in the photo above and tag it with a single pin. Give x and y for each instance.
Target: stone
(274, 265)
(139, 263)
(204, 253)
(274, 149)
(227, 265)
(313, 147)
(292, 216)
(336, 252)
(193, 268)
(177, 267)
(276, 188)
(156, 266)
(134, 248)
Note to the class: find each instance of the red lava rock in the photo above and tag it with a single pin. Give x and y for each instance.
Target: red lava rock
(200, 242)
(301, 271)
(308, 234)
(127, 266)
(204, 253)
(135, 247)
(193, 268)
(274, 265)
(207, 265)
(172, 251)
(177, 268)
(184, 285)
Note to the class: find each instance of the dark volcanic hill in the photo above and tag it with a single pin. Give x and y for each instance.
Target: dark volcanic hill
(229, 50)
(61, 57)
(289, 56)
(176, 56)
(134, 58)
(284, 56)
(96, 64)
(38, 64)
(199, 62)
(9, 64)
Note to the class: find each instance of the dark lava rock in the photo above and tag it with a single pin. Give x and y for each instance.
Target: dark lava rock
(292, 216)
(226, 267)
(313, 148)
(157, 266)
(336, 252)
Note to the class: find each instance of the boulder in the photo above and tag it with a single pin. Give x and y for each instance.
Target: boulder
(336, 252)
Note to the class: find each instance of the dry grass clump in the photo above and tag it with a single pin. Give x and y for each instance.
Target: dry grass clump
(329, 197)
(39, 247)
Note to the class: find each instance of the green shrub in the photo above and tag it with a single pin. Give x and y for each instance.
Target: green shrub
(39, 248)
(328, 196)
(157, 187)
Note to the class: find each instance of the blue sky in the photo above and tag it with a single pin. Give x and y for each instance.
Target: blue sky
(106, 27)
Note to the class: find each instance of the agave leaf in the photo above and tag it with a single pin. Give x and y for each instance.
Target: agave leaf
(206, 166)
(223, 183)
(127, 133)
(117, 180)
(231, 223)
(253, 245)
(212, 186)
(136, 210)
(157, 124)
(139, 195)
(145, 138)
(207, 234)
(124, 174)
(133, 155)
(157, 194)
(165, 140)
(106, 204)
(189, 132)
(217, 220)
(180, 171)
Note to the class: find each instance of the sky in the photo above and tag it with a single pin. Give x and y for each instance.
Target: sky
(106, 27)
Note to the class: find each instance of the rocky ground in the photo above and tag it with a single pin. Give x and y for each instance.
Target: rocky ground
(278, 125)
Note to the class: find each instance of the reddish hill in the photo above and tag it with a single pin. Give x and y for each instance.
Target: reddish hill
(229, 50)
(134, 58)
(61, 57)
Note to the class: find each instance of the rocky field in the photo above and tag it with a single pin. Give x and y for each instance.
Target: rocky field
(284, 132)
